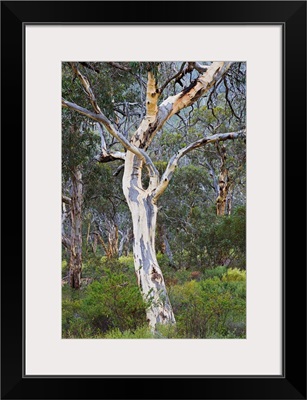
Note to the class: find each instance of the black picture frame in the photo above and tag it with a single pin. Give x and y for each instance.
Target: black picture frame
(292, 384)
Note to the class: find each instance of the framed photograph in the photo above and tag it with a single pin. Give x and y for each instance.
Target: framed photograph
(118, 294)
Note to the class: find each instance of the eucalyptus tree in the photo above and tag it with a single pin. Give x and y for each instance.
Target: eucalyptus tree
(75, 166)
(135, 135)
(80, 143)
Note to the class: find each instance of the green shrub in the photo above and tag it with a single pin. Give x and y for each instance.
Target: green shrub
(215, 272)
(209, 307)
(92, 267)
(127, 261)
(207, 240)
(167, 332)
(209, 304)
(234, 274)
(64, 268)
(113, 302)
(142, 332)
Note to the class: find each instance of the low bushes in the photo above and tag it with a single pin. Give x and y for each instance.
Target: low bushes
(208, 305)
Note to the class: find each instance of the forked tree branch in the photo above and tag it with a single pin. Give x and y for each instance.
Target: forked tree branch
(173, 163)
(87, 88)
(142, 155)
(173, 104)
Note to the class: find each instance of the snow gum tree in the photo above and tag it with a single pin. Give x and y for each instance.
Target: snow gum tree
(143, 199)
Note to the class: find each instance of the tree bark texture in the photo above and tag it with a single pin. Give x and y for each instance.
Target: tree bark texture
(75, 262)
(224, 184)
(144, 216)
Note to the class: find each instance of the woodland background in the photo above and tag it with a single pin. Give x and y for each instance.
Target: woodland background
(200, 235)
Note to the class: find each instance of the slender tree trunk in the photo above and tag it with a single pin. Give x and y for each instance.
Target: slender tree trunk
(144, 216)
(75, 262)
(229, 199)
(124, 244)
(113, 240)
(224, 183)
(111, 246)
(221, 200)
(94, 243)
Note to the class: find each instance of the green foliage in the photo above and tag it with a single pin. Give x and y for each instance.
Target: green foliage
(64, 267)
(201, 240)
(234, 275)
(167, 332)
(227, 239)
(113, 301)
(209, 307)
(142, 332)
(215, 272)
(72, 323)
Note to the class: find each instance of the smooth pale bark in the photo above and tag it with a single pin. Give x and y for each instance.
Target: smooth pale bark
(144, 216)
(75, 261)
(65, 211)
(123, 248)
(151, 124)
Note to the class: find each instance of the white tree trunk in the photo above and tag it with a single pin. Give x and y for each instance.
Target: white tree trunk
(144, 216)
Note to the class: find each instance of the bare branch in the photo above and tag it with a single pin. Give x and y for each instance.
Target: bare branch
(66, 242)
(142, 155)
(177, 75)
(173, 163)
(102, 138)
(183, 71)
(87, 88)
(173, 104)
(118, 170)
(120, 66)
(200, 68)
(228, 99)
(66, 200)
(89, 66)
(105, 157)
(107, 124)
